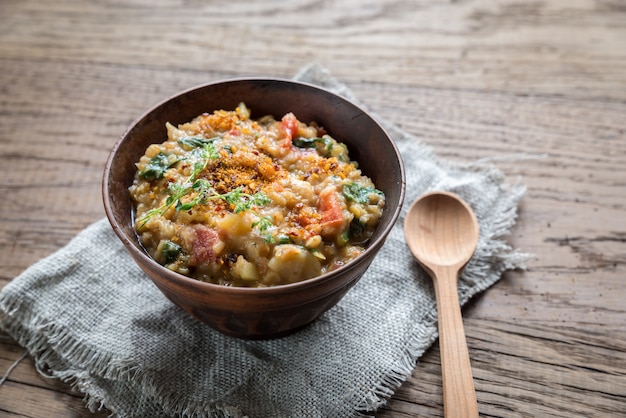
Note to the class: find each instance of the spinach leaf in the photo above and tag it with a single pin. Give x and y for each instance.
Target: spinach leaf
(190, 142)
(302, 142)
(157, 166)
(359, 194)
(169, 251)
(323, 145)
(356, 228)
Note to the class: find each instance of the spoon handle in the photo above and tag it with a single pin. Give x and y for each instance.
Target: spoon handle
(459, 396)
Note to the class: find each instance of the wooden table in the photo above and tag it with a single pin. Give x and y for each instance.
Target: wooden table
(536, 88)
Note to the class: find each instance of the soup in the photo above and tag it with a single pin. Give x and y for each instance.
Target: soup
(237, 201)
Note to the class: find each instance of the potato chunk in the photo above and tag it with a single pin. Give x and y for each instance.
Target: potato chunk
(245, 270)
(294, 263)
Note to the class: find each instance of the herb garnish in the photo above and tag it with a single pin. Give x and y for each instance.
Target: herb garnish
(263, 225)
(200, 157)
(243, 201)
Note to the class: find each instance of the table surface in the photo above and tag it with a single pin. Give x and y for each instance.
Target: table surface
(536, 88)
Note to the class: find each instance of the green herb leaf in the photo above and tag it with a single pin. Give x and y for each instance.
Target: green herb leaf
(359, 194)
(263, 225)
(323, 145)
(356, 228)
(157, 166)
(260, 199)
(190, 142)
(302, 142)
(209, 152)
(358, 233)
(168, 251)
(186, 206)
(243, 201)
(234, 197)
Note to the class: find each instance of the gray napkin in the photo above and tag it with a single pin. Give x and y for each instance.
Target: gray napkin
(89, 316)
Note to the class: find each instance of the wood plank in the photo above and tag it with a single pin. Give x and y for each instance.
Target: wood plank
(512, 366)
(39, 402)
(477, 44)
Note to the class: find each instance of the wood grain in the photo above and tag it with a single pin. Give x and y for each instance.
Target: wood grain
(536, 88)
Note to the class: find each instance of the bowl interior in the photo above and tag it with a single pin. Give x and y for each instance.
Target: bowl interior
(366, 140)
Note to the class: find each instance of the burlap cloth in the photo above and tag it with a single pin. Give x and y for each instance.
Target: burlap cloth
(89, 316)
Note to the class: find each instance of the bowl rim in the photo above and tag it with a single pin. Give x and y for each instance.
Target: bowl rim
(372, 247)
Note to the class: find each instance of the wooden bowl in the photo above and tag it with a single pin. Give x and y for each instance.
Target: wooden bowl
(257, 313)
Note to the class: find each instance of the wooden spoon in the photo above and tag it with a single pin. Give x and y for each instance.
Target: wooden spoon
(442, 233)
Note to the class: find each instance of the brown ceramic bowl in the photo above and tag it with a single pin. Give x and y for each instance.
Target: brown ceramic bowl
(257, 312)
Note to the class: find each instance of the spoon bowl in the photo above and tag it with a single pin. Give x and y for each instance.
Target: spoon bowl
(441, 231)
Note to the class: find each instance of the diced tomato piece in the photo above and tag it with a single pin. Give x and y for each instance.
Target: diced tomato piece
(290, 126)
(200, 241)
(329, 207)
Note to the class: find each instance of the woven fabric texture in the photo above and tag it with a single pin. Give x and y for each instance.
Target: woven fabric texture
(89, 316)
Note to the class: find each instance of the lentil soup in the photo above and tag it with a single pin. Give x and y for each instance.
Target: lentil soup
(235, 201)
